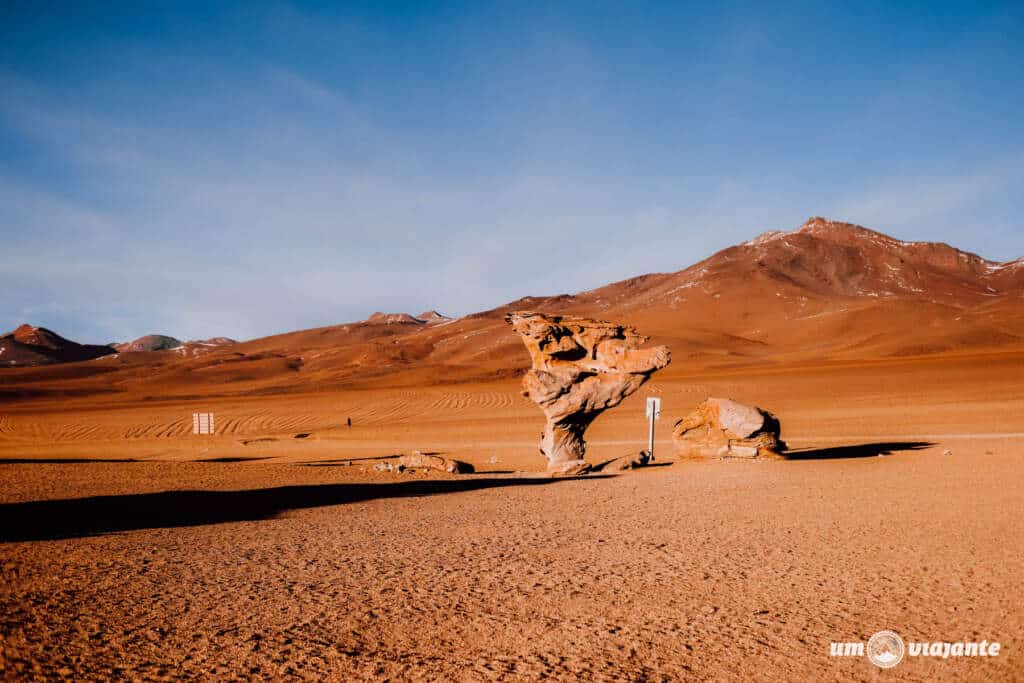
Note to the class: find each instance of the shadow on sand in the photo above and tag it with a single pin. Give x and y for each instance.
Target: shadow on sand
(861, 450)
(78, 517)
(344, 461)
(61, 461)
(234, 459)
(87, 461)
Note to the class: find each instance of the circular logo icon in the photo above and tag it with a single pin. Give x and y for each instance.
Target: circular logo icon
(886, 649)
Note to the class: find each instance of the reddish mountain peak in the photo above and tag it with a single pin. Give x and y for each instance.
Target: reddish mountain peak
(826, 258)
(827, 225)
(31, 345)
(850, 234)
(824, 228)
(38, 336)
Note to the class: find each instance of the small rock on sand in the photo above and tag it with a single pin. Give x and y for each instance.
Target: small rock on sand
(627, 462)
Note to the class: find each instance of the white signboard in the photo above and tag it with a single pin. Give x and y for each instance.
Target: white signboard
(653, 407)
(202, 423)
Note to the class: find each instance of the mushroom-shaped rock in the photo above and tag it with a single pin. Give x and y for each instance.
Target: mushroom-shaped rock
(581, 368)
(720, 427)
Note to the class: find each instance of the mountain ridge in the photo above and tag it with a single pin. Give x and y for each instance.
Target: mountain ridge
(828, 290)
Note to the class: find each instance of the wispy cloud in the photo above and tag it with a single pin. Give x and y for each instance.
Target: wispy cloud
(351, 163)
(952, 206)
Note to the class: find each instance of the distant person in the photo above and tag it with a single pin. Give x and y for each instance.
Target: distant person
(348, 422)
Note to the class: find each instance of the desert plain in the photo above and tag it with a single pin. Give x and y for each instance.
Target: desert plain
(274, 549)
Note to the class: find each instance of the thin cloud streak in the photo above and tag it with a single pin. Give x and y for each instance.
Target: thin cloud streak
(240, 191)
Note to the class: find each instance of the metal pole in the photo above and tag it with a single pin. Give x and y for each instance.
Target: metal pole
(650, 438)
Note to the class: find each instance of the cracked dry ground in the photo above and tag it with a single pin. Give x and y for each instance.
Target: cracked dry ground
(725, 571)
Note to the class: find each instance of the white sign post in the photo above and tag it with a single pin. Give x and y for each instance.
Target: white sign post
(653, 412)
(202, 423)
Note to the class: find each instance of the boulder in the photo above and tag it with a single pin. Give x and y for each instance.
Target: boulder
(569, 468)
(627, 462)
(580, 368)
(723, 428)
(433, 461)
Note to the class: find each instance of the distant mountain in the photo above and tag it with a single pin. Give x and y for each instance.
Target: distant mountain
(29, 345)
(433, 317)
(198, 347)
(150, 342)
(393, 319)
(213, 341)
(405, 319)
(160, 342)
(826, 291)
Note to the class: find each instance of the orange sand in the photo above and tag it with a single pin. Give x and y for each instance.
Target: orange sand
(293, 562)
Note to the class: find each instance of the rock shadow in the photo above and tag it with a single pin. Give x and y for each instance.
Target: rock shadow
(79, 517)
(240, 458)
(62, 461)
(345, 461)
(862, 450)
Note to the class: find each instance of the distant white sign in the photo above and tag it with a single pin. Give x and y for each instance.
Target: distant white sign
(202, 423)
(653, 407)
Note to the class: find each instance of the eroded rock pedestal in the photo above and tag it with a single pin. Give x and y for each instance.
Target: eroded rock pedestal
(723, 428)
(581, 368)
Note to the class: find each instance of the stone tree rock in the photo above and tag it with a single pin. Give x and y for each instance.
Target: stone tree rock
(581, 368)
(720, 427)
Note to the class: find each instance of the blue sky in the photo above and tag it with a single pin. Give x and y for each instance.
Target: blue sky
(257, 168)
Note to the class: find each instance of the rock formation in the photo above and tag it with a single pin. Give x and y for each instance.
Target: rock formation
(580, 369)
(432, 461)
(407, 464)
(720, 427)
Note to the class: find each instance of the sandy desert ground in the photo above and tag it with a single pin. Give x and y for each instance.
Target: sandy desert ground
(274, 550)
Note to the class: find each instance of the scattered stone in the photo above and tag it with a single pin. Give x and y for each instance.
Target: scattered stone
(433, 461)
(580, 368)
(724, 428)
(569, 468)
(947, 452)
(384, 467)
(627, 462)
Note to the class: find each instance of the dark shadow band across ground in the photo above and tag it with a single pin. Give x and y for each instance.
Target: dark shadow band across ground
(861, 450)
(78, 517)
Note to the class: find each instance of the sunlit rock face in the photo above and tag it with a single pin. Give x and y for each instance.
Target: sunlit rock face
(581, 368)
(720, 427)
